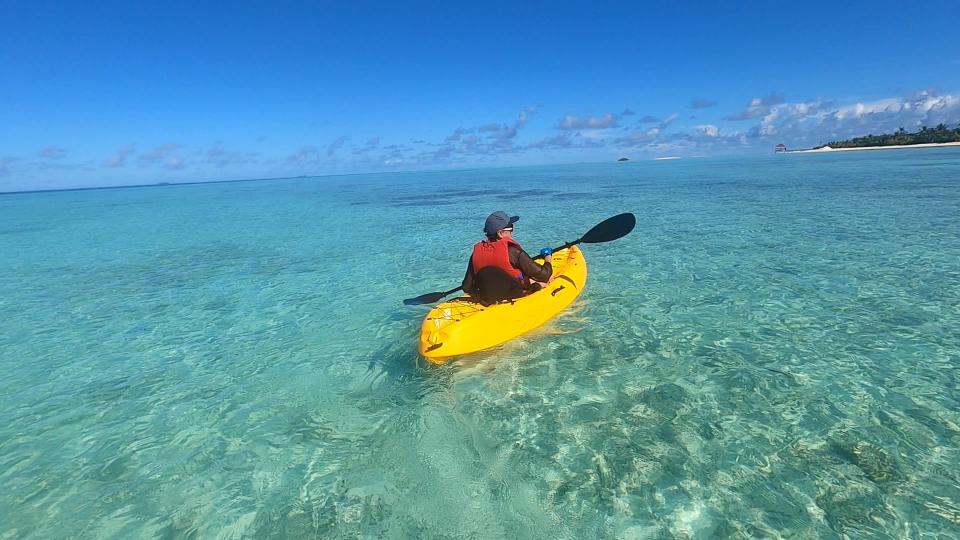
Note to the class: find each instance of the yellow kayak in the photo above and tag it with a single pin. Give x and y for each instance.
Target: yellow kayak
(463, 325)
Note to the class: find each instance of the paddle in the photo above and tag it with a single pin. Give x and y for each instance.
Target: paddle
(607, 230)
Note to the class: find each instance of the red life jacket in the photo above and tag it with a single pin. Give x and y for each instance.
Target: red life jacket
(496, 253)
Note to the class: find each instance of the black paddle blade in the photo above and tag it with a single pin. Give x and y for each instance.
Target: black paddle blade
(609, 229)
(428, 298)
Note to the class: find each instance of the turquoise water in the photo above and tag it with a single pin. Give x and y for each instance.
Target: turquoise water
(774, 352)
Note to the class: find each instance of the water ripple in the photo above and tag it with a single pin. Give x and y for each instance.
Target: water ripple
(773, 353)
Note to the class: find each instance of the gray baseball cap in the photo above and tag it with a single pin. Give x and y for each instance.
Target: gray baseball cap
(497, 221)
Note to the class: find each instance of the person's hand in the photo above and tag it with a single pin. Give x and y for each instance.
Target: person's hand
(547, 255)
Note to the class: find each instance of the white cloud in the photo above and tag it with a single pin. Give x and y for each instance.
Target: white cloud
(373, 144)
(221, 157)
(305, 154)
(119, 158)
(525, 115)
(489, 139)
(708, 130)
(4, 161)
(667, 121)
(566, 140)
(603, 121)
(216, 152)
(174, 162)
(52, 151)
(456, 135)
(591, 135)
(925, 107)
(165, 155)
(804, 123)
(818, 121)
(336, 145)
(757, 107)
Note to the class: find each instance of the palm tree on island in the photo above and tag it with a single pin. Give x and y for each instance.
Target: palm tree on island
(939, 135)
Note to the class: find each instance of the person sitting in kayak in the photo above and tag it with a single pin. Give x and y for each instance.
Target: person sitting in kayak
(499, 268)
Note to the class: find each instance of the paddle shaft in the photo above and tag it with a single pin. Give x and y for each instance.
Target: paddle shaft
(451, 291)
(561, 248)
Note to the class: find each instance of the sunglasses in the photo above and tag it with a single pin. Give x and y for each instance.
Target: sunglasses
(507, 229)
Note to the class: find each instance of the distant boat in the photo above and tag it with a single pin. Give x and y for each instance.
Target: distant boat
(780, 149)
(623, 159)
(666, 158)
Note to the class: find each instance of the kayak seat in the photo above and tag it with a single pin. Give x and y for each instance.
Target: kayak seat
(494, 285)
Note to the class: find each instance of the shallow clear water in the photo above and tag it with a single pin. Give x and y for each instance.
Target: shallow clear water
(774, 352)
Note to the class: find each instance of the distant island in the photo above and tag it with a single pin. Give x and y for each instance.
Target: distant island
(938, 135)
(924, 138)
(624, 159)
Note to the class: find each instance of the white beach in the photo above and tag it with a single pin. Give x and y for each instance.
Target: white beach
(829, 149)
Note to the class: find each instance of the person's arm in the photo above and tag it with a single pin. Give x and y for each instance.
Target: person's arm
(520, 260)
(468, 278)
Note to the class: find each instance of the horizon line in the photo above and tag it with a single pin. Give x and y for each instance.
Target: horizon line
(202, 182)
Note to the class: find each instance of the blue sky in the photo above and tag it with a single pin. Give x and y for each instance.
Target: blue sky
(112, 93)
